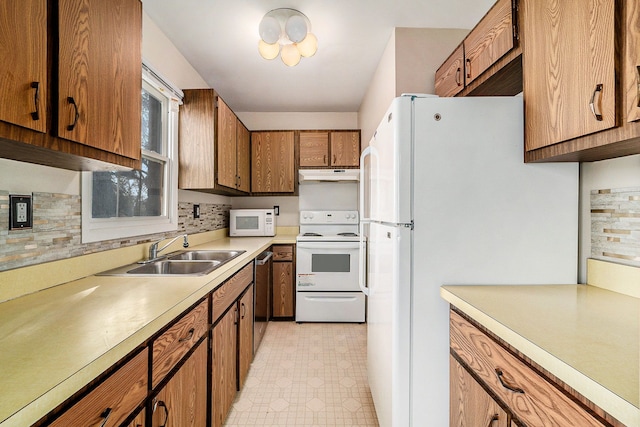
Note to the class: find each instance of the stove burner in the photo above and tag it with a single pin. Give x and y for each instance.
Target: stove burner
(312, 234)
(348, 234)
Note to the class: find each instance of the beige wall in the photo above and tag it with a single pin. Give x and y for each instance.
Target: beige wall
(615, 173)
(408, 65)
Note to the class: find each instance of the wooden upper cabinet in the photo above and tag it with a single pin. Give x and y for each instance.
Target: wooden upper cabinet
(23, 71)
(314, 149)
(631, 71)
(489, 40)
(99, 71)
(243, 146)
(214, 145)
(450, 75)
(336, 148)
(227, 150)
(345, 148)
(273, 162)
(569, 61)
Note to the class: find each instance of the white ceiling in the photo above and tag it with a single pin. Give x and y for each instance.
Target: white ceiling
(220, 38)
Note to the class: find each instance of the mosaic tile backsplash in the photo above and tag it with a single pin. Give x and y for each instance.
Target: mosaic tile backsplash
(615, 225)
(57, 228)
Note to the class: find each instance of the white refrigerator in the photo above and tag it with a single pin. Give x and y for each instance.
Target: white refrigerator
(446, 198)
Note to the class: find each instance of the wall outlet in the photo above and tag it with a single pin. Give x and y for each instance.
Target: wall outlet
(276, 210)
(196, 211)
(20, 212)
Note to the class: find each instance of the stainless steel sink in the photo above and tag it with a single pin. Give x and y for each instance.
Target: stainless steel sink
(221, 256)
(182, 263)
(184, 268)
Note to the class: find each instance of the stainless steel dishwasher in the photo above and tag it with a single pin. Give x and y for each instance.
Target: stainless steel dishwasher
(262, 297)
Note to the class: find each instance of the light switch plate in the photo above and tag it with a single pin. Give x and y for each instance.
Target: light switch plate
(20, 212)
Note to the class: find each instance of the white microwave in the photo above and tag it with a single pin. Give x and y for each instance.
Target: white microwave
(252, 222)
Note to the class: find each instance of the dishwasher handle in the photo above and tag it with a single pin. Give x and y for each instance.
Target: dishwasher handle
(263, 257)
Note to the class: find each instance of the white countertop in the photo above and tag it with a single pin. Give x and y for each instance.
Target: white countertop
(55, 341)
(586, 336)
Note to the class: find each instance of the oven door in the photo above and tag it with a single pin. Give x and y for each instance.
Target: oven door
(327, 266)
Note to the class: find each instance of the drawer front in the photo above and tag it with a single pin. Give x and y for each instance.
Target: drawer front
(113, 400)
(230, 290)
(171, 346)
(530, 397)
(282, 252)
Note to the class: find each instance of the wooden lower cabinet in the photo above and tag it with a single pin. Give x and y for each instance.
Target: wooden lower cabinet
(470, 404)
(139, 420)
(245, 336)
(111, 402)
(183, 400)
(284, 292)
(223, 371)
(527, 396)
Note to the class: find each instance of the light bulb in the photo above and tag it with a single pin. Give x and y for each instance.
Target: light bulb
(308, 46)
(269, 29)
(268, 51)
(290, 55)
(296, 28)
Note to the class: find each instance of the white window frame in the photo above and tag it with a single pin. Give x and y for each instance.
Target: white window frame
(100, 229)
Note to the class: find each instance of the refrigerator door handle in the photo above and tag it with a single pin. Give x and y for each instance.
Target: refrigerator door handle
(365, 153)
(362, 270)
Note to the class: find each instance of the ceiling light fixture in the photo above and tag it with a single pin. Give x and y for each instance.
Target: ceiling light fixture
(286, 32)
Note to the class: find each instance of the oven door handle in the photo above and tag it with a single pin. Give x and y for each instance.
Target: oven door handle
(331, 246)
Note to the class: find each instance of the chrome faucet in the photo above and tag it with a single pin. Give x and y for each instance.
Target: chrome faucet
(154, 251)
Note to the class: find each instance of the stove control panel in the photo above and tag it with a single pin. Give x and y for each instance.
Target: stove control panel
(329, 217)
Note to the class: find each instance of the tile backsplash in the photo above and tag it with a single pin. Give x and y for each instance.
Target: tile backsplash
(56, 232)
(615, 225)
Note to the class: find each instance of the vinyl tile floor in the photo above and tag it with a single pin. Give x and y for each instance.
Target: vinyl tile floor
(308, 374)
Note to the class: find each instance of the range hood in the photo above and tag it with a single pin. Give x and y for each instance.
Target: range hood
(329, 175)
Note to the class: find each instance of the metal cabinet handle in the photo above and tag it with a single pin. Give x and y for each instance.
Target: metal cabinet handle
(468, 67)
(335, 159)
(506, 385)
(188, 337)
(76, 116)
(106, 414)
(244, 311)
(598, 89)
(166, 411)
(324, 159)
(493, 419)
(236, 317)
(36, 100)
(638, 85)
(458, 75)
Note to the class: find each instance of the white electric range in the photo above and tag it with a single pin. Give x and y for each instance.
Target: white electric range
(327, 287)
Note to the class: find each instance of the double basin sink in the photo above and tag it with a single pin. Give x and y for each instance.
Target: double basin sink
(181, 263)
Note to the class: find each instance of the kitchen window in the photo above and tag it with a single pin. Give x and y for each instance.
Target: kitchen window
(139, 202)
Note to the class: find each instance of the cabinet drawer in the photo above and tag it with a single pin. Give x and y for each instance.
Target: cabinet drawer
(230, 290)
(530, 397)
(283, 253)
(112, 401)
(172, 345)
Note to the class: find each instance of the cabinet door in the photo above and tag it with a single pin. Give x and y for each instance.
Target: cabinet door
(100, 71)
(111, 402)
(272, 162)
(23, 70)
(223, 372)
(243, 143)
(283, 292)
(245, 340)
(314, 149)
(631, 62)
(450, 75)
(183, 400)
(489, 40)
(469, 404)
(227, 123)
(345, 148)
(569, 69)
(138, 421)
